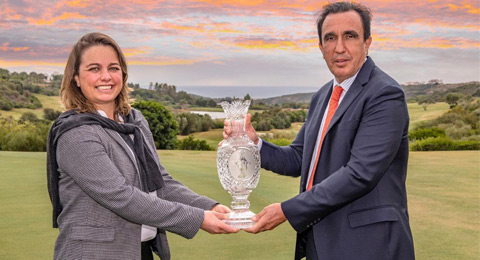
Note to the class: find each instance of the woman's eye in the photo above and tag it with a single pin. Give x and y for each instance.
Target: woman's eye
(114, 68)
(94, 69)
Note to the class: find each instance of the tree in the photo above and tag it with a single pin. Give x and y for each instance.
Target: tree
(247, 97)
(425, 101)
(161, 122)
(452, 99)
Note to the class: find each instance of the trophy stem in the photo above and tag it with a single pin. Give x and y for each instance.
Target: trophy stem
(240, 217)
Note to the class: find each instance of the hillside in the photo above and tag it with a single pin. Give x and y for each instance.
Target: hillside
(17, 89)
(438, 90)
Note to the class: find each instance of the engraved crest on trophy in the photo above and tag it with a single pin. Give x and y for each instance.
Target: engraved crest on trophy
(238, 163)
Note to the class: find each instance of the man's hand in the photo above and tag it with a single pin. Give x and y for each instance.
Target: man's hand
(270, 217)
(251, 133)
(213, 224)
(220, 208)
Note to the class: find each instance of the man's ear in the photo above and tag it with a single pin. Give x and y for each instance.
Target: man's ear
(367, 44)
(321, 48)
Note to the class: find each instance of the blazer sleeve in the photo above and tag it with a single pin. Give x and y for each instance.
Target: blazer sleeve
(82, 155)
(381, 131)
(285, 160)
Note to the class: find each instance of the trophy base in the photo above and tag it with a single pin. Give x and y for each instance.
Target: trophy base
(241, 220)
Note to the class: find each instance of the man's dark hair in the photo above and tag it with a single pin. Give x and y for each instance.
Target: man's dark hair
(342, 7)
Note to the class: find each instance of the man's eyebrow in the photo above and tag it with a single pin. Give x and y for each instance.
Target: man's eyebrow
(328, 35)
(351, 32)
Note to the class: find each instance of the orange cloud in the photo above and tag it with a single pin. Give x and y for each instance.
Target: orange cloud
(164, 61)
(51, 21)
(431, 43)
(129, 52)
(169, 25)
(231, 2)
(28, 63)
(77, 3)
(278, 44)
(10, 14)
(5, 47)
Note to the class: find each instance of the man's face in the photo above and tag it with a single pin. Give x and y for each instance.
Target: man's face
(343, 46)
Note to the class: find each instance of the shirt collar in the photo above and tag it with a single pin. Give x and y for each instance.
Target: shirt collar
(346, 84)
(102, 113)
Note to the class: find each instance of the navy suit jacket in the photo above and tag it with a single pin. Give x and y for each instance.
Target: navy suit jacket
(357, 207)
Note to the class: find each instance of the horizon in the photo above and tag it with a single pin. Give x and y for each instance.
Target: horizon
(241, 43)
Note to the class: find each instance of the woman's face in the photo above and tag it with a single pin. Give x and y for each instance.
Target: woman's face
(100, 76)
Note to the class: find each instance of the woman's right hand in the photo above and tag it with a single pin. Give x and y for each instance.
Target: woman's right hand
(213, 224)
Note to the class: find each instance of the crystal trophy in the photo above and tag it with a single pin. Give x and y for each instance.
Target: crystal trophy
(238, 164)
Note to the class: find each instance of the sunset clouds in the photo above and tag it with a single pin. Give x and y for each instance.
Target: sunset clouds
(205, 42)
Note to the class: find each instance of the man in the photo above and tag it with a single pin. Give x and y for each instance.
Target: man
(352, 202)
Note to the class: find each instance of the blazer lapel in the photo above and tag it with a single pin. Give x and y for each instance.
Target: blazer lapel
(353, 92)
(314, 125)
(116, 136)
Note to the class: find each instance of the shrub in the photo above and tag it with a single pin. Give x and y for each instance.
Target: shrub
(280, 141)
(23, 135)
(29, 116)
(190, 143)
(50, 114)
(443, 144)
(217, 123)
(423, 133)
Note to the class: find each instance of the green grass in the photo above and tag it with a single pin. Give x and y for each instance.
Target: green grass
(417, 114)
(443, 195)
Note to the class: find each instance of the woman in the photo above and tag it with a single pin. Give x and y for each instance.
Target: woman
(104, 176)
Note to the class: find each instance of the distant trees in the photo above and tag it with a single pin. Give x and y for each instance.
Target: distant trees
(425, 101)
(458, 129)
(17, 89)
(161, 122)
(190, 123)
(168, 95)
(276, 118)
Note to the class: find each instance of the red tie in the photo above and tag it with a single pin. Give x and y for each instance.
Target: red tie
(337, 92)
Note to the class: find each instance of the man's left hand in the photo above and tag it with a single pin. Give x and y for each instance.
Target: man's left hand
(270, 217)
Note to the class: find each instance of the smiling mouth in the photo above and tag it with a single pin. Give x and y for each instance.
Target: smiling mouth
(104, 87)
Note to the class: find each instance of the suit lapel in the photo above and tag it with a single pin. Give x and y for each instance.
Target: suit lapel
(313, 128)
(353, 92)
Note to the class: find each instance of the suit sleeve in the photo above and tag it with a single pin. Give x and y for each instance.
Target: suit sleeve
(377, 141)
(285, 160)
(83, 157)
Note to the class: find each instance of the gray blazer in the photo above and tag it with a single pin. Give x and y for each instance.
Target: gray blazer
(103, 206)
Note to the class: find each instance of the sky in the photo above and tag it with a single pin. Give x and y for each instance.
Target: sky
(241, 43)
